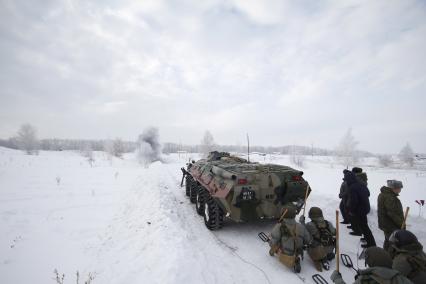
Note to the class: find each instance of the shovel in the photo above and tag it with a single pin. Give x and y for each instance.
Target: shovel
(318, 279)
(347, 261)
(264, 237)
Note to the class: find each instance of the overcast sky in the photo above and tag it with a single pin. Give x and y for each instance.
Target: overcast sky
(286, 72)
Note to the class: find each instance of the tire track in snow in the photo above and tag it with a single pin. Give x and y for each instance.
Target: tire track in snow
(175, 180)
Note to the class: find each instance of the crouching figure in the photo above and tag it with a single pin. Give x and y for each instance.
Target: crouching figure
(288, 240)
(379, 270)
(408, 256)
(323, 235)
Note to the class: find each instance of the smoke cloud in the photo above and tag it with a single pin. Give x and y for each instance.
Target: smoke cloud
(149, 147)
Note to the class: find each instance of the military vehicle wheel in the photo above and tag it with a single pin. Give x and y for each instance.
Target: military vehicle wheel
(199, 201)
(193, 191)
(188, 185)
(213, 215)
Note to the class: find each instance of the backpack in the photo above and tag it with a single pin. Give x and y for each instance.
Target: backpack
(418, 265)
(325, 237)
(293, 234)
(375, 275)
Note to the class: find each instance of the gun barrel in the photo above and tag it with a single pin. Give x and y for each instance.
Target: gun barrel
(221, 172)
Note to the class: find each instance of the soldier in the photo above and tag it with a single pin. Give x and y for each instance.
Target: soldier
(345, 195)
(323, 235)
(288, 240)
(359, 206)
(389, 209)
(408, 256)
(379, 270)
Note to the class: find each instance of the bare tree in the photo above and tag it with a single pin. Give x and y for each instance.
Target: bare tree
(297, 157)
(406, 155)
(87, 152)
(346, 150)
(207, 143)
(27, 139)
(114, 148)
(118, 148)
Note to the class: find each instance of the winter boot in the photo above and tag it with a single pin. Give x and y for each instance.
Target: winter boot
(297, 267)
(325, 264)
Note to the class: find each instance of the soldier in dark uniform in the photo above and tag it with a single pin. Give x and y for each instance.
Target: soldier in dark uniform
(359, 206)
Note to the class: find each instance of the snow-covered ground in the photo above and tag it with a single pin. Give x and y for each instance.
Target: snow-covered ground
(125, 223)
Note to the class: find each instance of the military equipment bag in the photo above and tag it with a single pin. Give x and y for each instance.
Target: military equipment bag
(287, 260)
(324, 237)
(418, 265)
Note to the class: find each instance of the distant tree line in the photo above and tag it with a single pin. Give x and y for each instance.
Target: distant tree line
(289, 149)
(149, 148)
(55, 144)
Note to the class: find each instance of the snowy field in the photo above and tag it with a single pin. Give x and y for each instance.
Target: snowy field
(124, 223)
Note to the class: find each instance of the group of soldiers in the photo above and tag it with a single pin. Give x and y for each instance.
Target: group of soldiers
(401, 260)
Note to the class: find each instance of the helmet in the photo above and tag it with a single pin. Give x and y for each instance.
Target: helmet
(315, 212)
(375, 256)
(402, 237)
(291, 212)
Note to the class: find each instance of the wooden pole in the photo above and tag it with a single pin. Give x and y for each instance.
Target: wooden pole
(282, 216)
(337, 242)
(306, 197)
(405, 218)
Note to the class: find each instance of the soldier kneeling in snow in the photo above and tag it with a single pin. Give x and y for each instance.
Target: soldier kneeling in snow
(288, 240)
(379, 270)
(408, 256)
(323, 233)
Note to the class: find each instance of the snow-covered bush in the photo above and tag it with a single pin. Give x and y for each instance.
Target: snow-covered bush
(87, 152)
(59, 278)
(385, 160)
(118, 148)
(114, 148)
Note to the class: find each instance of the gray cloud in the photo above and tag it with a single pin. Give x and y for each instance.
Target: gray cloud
(286, 72)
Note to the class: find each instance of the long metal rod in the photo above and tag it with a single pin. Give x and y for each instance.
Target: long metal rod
(248, 148)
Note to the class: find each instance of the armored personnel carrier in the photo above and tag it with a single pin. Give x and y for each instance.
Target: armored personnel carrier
(225, 186)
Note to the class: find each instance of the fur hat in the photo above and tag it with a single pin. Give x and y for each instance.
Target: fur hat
(357, 170)
(394, 184)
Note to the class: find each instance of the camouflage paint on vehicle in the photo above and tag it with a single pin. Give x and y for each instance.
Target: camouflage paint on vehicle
(243, 190)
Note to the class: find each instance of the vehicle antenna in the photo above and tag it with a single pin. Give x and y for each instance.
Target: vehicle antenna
(248, 148)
